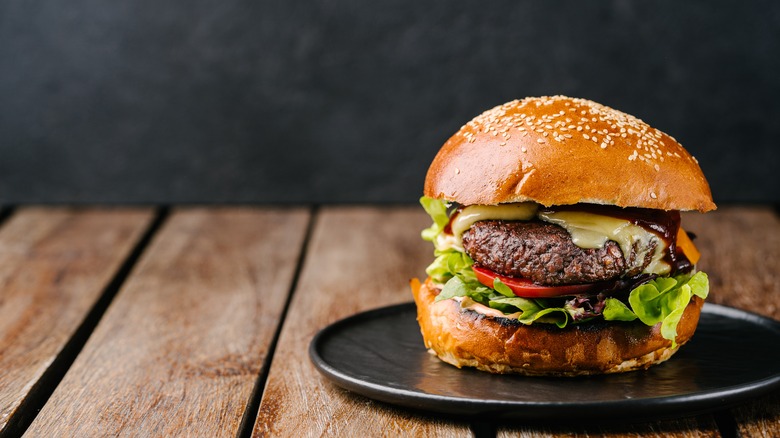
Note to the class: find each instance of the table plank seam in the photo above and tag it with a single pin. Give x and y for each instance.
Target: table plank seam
(247, 424)
(484, 429)
(727, 424)
(42, 390)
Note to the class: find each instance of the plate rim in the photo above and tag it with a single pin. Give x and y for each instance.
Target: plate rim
(661, 406)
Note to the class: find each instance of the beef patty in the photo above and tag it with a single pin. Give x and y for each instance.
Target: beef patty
(545, 254)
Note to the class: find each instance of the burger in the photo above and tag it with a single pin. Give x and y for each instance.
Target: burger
(558, 244)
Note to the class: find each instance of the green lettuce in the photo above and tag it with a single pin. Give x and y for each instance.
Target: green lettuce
(437, 210)
(661, 300)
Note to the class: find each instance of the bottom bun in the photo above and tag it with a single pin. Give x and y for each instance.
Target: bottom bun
(476, 336)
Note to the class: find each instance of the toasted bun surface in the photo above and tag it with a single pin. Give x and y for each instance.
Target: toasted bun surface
(561, 150)
(464, 337)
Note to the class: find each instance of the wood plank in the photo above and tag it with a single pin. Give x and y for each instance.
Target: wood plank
(54, 265)
(684, 428)
(358, 259)
(760, 418)
(741, 247)
(181, 346)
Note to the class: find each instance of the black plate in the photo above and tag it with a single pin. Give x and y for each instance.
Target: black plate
(733, 357)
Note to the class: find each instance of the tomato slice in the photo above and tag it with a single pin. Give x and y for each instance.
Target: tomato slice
(525, 288)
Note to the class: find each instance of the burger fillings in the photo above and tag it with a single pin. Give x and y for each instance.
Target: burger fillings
(653, 292)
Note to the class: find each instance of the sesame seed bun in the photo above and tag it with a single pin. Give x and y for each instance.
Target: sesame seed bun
(561, 150)
(465, 337)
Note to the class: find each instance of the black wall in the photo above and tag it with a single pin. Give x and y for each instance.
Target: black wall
(348, 101)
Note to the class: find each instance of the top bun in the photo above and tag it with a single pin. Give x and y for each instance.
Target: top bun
(561, 150)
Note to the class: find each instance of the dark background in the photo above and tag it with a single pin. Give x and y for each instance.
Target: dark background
(348, 101)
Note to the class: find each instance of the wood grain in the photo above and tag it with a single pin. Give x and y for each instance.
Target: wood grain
(741, 253)
(180, 348)
(683, 428)
(760, 418)
(54, 265)
(359, 258)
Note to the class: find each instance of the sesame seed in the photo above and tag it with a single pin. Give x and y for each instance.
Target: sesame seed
(653, 195)
(552, 121)
(457, 171)
(656, 167)
(524, 149)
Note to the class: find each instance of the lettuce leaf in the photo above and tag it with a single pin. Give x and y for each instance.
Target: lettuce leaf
(437, 210)
(456, 287)
(449, 263)
(615, 310)
(663, 300)
(503, 289)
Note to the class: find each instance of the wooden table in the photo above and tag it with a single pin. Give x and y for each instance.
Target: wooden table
(196, 321)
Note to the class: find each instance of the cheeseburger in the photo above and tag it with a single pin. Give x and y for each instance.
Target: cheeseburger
(558, 243)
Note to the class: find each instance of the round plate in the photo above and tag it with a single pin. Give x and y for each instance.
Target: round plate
(380, 354)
